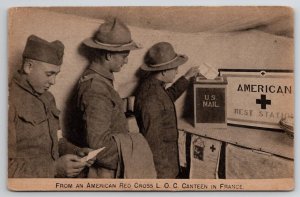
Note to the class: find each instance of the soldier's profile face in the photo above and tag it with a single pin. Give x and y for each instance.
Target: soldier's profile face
(170, 75)
(41, 75)
(118, 60)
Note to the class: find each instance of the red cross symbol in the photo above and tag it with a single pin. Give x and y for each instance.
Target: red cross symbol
(263, 101)
(212, 148)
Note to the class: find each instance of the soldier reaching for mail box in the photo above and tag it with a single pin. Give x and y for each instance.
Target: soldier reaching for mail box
(155, 109)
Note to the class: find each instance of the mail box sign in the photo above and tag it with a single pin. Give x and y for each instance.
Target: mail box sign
(259, 98)
(210, 103)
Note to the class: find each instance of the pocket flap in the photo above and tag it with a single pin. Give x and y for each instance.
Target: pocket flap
(32, 116)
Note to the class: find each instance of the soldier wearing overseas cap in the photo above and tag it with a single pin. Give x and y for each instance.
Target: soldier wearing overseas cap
(99, 106)
(154, 106)
(34, 134)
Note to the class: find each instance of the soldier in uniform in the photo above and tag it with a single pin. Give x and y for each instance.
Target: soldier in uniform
(98, 105)
(34, 133)
(155, 109)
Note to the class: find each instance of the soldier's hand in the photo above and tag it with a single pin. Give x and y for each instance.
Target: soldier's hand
(82, 152)
(68, 166)
(91, 162)
(192, 72)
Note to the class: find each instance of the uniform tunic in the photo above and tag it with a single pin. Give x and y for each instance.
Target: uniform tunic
(33, 144)
(33, 125)
(156, 118)
(100, 115)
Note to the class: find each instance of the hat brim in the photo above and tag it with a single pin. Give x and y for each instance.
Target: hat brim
(178, 61)
(91, 43)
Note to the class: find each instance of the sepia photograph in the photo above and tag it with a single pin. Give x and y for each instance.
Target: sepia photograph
(159, 98)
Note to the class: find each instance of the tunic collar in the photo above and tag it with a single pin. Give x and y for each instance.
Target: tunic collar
(21, 80)
(154, 81)
(99, 69)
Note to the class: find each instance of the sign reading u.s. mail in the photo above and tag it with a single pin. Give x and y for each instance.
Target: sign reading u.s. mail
(259, 98)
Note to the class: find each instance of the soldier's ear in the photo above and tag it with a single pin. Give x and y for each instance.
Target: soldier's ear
(27, 66)
(108, 56)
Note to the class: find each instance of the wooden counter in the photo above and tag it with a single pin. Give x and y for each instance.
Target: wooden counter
(274, 142)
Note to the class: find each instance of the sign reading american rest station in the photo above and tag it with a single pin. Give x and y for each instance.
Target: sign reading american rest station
(259, 98)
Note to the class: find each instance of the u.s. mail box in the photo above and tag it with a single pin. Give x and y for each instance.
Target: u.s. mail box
(210, 103)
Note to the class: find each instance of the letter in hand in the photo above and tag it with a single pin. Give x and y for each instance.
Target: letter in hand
(192, 72)
(91, 157)
(83, 153)
(208, 71)
(68, 166)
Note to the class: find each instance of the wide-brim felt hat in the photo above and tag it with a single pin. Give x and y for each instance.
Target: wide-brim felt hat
(162, 56)
(112, 35)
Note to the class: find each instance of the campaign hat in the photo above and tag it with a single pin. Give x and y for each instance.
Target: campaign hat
(112, 35)
(162, 56)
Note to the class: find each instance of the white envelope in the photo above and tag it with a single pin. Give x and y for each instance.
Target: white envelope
(92, 154)
(208, 71)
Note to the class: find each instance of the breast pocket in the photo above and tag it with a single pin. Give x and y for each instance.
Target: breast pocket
(31, 117)
(30, 125)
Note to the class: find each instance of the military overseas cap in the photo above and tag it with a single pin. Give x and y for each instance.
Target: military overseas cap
(113, 35)
(39, 49)
(161, 56)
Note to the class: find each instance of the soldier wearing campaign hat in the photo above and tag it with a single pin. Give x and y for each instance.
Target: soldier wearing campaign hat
(99, 107)
(154, 105)
(34, 133)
